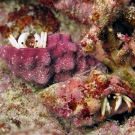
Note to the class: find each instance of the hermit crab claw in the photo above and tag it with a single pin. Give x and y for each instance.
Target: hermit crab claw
(22, 39)
(118, 102)
(118, 99)
(128, 101)
(103, 107)
(13, 41)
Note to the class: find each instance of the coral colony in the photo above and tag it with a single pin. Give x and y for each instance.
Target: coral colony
(89, 81)
(41, 58)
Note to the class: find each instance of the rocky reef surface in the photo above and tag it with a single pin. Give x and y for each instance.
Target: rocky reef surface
(86, 71)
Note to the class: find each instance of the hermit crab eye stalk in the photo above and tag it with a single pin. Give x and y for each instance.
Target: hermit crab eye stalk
(118, 99)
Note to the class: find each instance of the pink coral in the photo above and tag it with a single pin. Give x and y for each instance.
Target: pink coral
(59, 60)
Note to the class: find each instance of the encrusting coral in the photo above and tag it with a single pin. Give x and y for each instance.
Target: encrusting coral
(82, 95)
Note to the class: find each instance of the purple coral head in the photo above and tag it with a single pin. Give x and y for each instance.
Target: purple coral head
(57, 59)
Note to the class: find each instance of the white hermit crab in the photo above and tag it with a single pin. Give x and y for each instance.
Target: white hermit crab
(39, 40)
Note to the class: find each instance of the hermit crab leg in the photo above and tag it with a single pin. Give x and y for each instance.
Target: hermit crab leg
(108, 108)
(22, 39)
(118, 98)
(103, 107)
(43, 39)
(37, 40)
(13, 41)
(127, 100)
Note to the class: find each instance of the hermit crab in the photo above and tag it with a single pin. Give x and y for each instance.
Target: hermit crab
(89, 98)
(111, 90)
(39, 41)
(119, 98)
